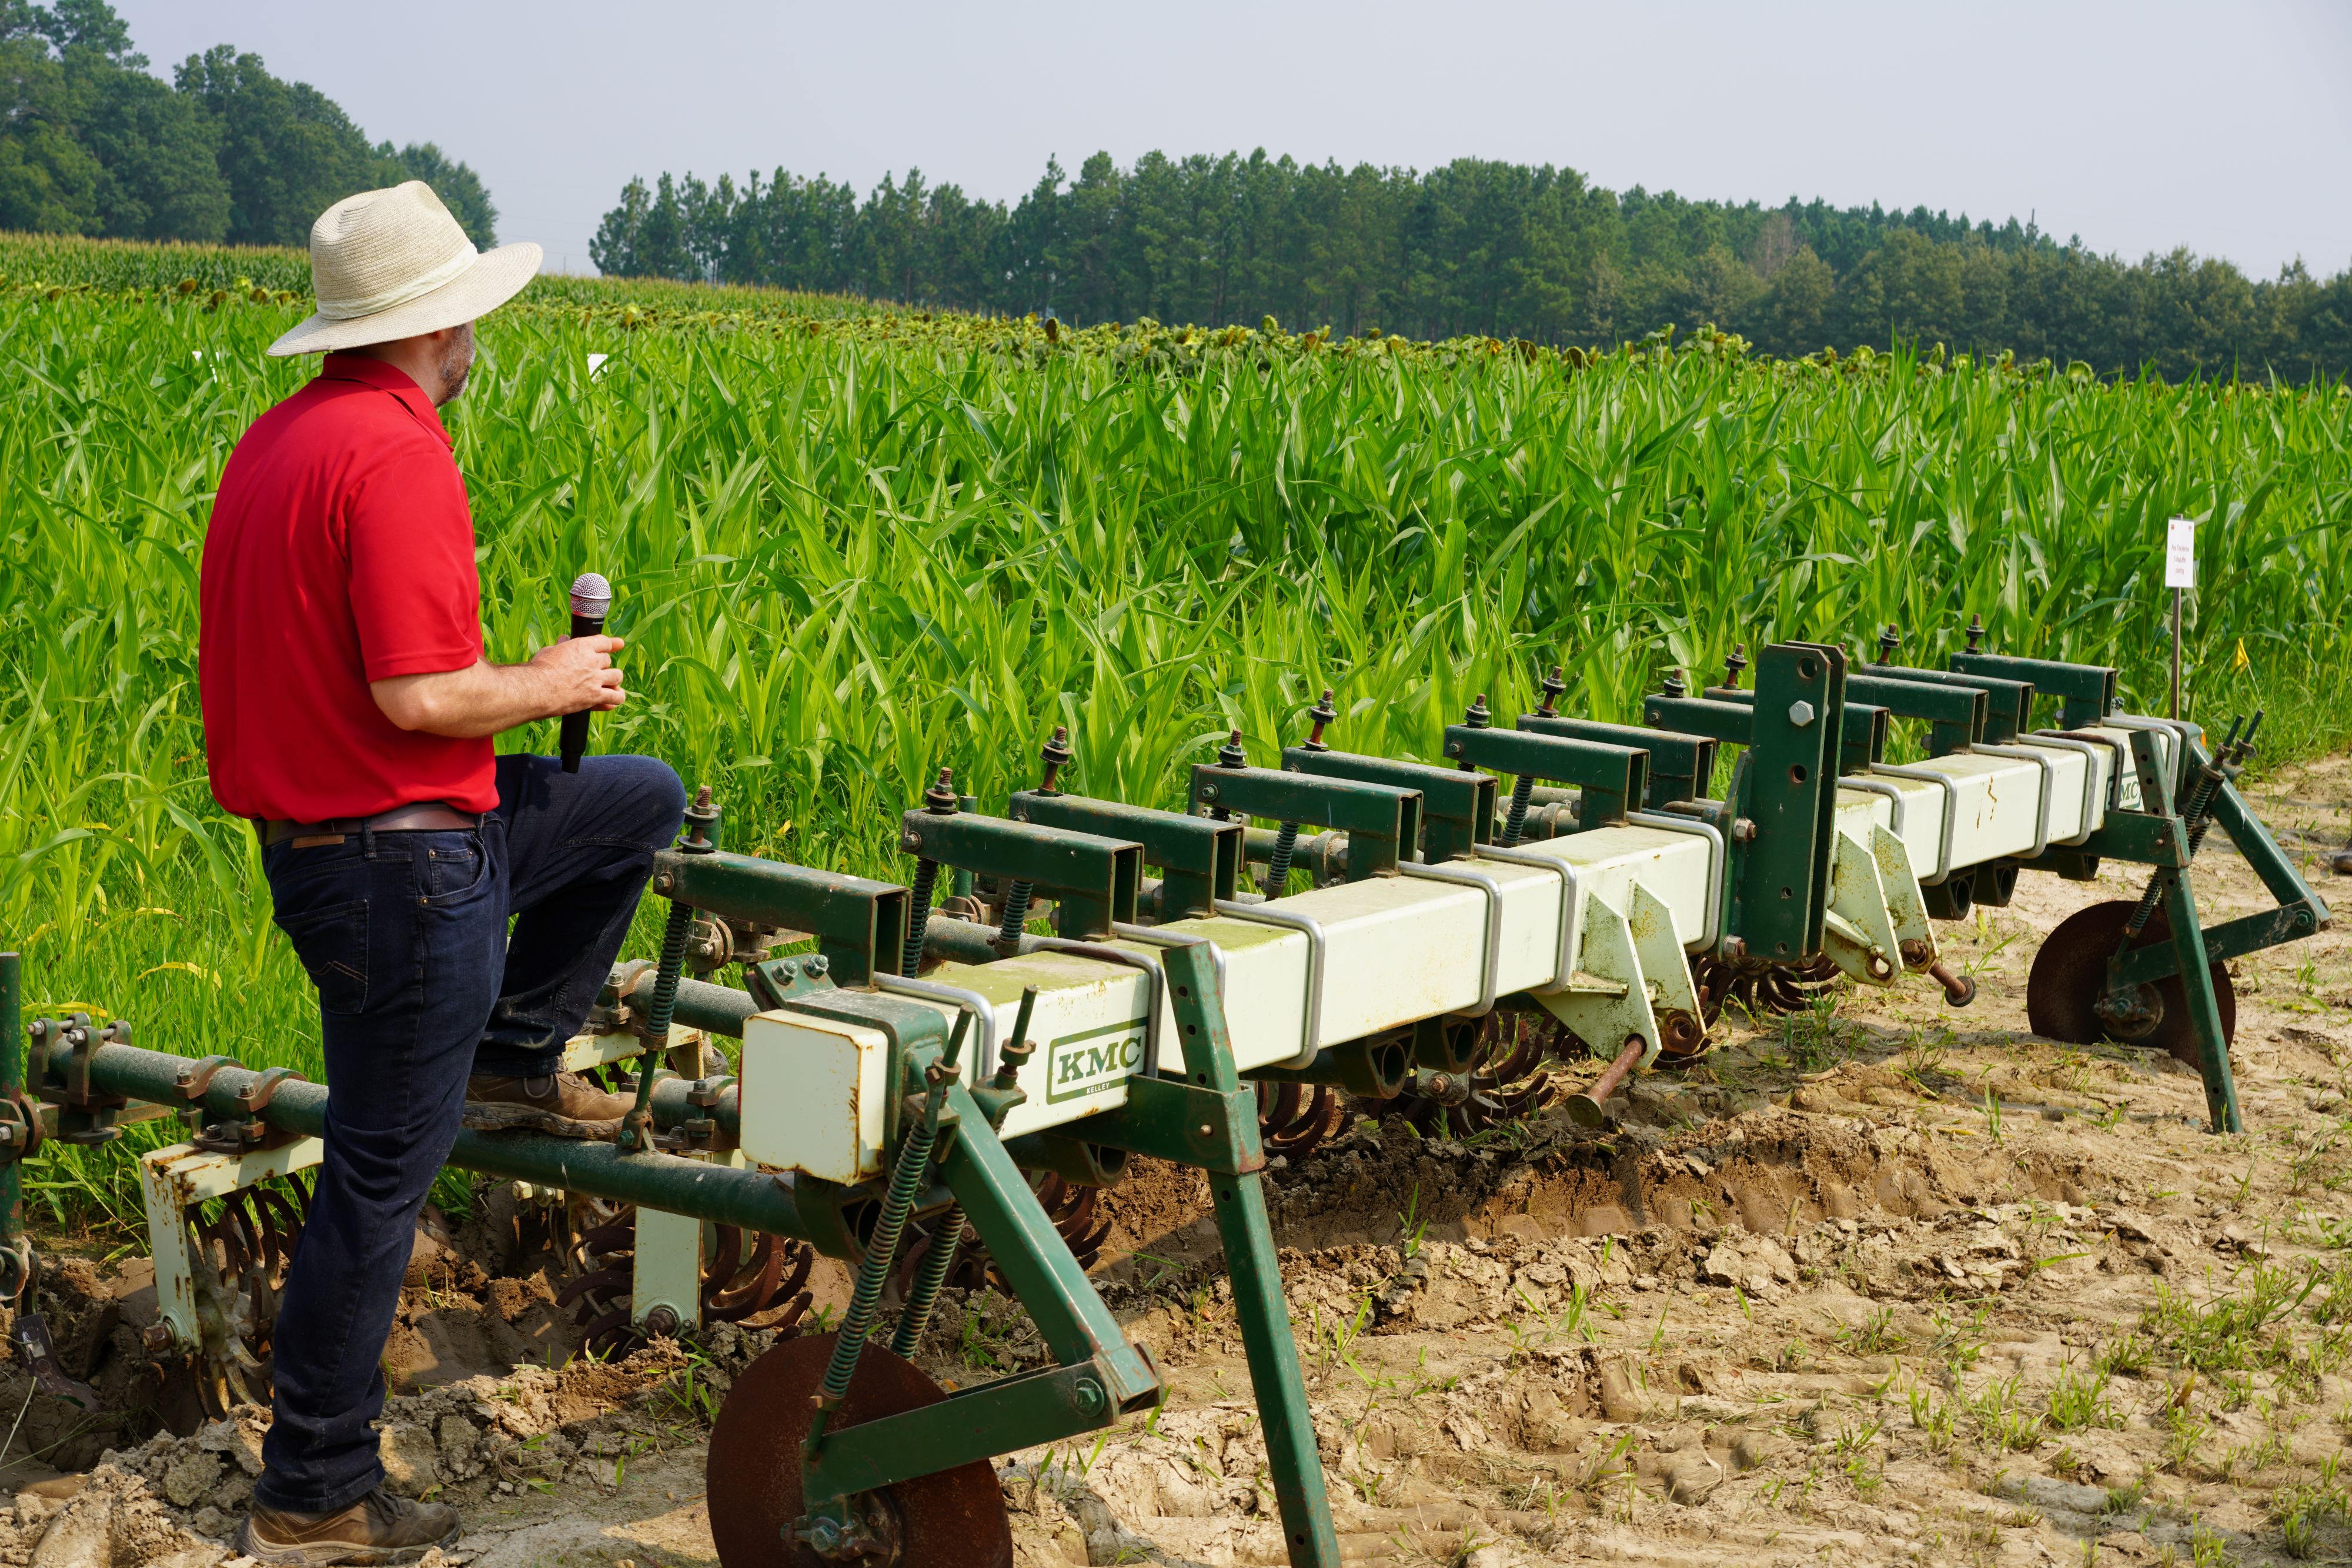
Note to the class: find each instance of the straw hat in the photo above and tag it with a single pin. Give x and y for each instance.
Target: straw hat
(394, 264)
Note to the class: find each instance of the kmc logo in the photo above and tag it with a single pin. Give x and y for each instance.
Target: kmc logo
(1092, 1060)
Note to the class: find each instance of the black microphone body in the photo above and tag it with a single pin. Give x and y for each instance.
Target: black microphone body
(591, 597)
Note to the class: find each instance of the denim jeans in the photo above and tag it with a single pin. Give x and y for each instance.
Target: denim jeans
(420, 985)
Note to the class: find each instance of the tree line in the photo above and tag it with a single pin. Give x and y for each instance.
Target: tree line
(91, 144)
(1477, 246)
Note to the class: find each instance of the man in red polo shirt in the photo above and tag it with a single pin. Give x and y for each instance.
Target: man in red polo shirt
(348, 711)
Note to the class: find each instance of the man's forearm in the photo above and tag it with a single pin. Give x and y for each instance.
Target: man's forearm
(484, 699)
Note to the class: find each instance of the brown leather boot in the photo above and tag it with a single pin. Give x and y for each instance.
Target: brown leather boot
(563, 1104)
(378, 1529)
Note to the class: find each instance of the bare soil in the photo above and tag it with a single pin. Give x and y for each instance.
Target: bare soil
(1882, 1283)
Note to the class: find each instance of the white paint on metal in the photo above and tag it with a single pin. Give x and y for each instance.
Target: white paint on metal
(1613, 1005)
(667, 1266)
(814, 1093)
(1090, 1027)
(1859, 930)
(1906, 909)
(170, 1180)
(2098, 765)
(1665, 967)
(583, 1051)
(1996, 804)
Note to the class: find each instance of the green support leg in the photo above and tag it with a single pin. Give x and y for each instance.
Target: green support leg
(1290, 1450)
(2197, 985)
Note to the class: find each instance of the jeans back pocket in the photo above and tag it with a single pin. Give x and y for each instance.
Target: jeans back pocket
(333, 944)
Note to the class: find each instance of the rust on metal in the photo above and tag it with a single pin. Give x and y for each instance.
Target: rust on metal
(754, 1476)
(2069, 978)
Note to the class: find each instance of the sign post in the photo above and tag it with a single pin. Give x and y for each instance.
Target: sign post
(2179, 575)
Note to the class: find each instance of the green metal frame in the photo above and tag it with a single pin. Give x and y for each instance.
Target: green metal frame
(1200, 860)
(2008, 703)
(858, 924)
(2085, 692)
(1268, 1340)
(1863, 727)
(1682, 766)
(1093, 880)
(1790, 796)
(1458, 807)
(1956, 714)
(1611, 779)
(1382, 822)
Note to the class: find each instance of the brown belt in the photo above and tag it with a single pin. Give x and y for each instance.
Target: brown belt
(429, 817)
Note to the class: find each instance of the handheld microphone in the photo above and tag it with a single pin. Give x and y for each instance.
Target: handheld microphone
(591, 597)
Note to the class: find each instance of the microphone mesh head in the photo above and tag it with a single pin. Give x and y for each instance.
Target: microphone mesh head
(591, 595)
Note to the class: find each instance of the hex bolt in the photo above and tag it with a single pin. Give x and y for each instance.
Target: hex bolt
(1552, 688)
(1056, 756)
(1229, 755)
(701, 825)
(1323, 714)
(1480, 717)
(1734, 662)
(662, 1322)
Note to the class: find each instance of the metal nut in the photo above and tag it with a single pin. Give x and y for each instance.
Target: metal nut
(910, 839)
(159, 1338)
(1742, 830)
(816, 964)
(1208, 791)
(1087, 1398)
(664, 882)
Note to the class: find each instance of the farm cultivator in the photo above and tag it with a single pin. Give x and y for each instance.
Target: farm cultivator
(914, 1086)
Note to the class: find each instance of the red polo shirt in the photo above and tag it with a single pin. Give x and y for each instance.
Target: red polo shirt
(341, 551)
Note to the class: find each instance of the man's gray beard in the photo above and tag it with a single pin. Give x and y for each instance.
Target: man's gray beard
(457, 363)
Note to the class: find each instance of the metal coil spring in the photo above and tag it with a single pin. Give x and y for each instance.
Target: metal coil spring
(857, 1322)
(674, 936)
(938, 1263)
(1277, 865)
(1016, 914)
(919, 916)
(1522, 793)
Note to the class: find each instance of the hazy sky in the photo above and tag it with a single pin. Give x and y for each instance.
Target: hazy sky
(2139, 127)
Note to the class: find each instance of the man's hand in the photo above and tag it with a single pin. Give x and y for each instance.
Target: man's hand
(486, 698)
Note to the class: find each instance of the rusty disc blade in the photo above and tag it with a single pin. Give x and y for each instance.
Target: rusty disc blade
(2069, 973)
(754, 1476)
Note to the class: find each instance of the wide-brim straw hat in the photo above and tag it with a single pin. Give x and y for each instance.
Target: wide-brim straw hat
(394, 264)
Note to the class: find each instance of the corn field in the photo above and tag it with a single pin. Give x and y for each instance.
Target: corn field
(851, 547)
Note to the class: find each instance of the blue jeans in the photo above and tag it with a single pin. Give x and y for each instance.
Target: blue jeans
(420, 985)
